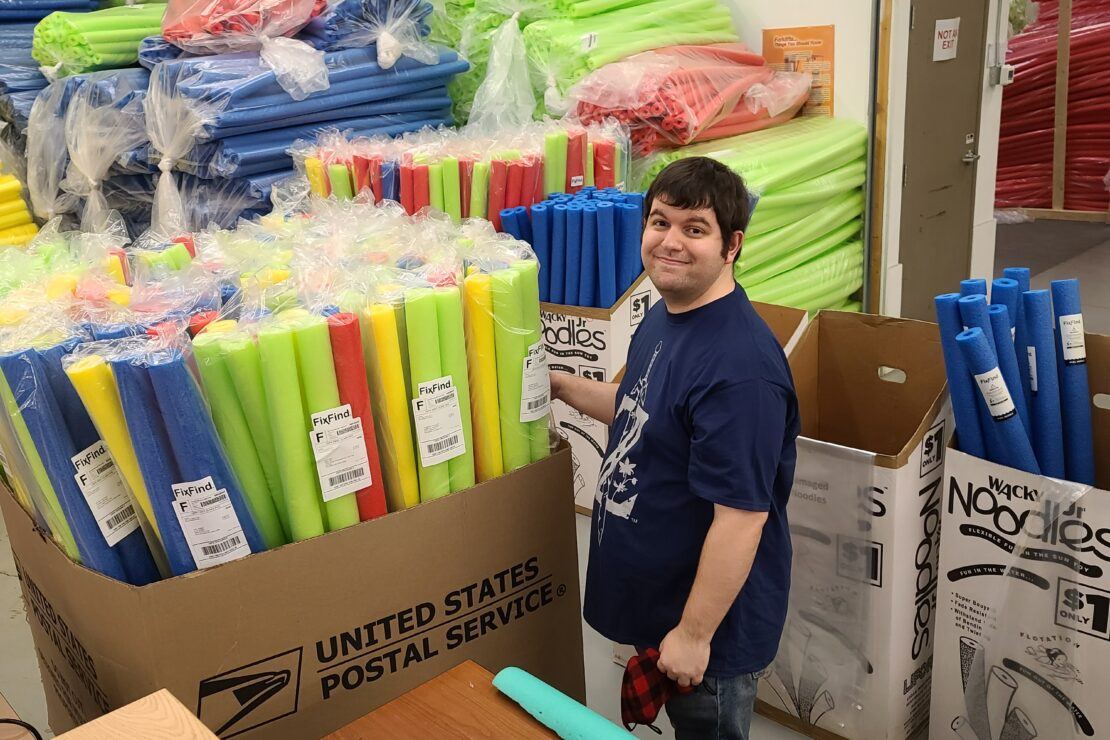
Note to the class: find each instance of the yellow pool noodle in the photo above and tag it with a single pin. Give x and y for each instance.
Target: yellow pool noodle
(385, 369)
(314, 170)
(481, 357)
(95, 385)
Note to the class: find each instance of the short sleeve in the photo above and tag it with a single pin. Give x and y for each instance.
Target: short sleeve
(737, 441)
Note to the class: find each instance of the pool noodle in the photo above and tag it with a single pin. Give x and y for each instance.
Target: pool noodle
(588, 293)
(629, 233)
(479, 190)
(482, 359)
(421, 195)
(961, 386)
(973, 312)
(604, 164)
(509, 223)
(1014, 448)
(606, 254)
(590, 160)
(566, 717)
(1020, 275)
(350, 376)
(317, 180)
(452, 196)
(391, 187)
(234, 431)
(498, 187)
(555, 161)
(435, 186)
(155, 458)
(1075, 392)
(531, 182)
(196, 448)
(389, 395)
(321, 393)
(576, 162)
(425, 364)
(92, 379)
(973, 286)
(558, 267)
(1007, 359)
(360, 170)
(511, 340)
(572, 261)
(339, 177)
(541, 235)
(1044, 403)
(514, 192)
(288, 421)
(452, 348)
(525, 223)
(528, 283)
(76, 418)
(466, 175)
(407, 198)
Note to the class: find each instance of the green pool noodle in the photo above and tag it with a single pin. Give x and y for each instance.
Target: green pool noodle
(590, 164)
(452, 351)
(340, 178)
(511, 342)
(435, 186)
(564, 716)
(479, 190)
(178, 256)
(554, 162)
(288, 422)
(321, 393)
(842, 179)
(765, 247)
(55, 519)
(422, 331)
(452, 195)
(801, 255)
(234, 430)
(245, 368)
(528, 281)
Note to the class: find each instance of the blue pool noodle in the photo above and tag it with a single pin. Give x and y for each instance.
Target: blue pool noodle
(1014, 449)
(1007, 359)
(1075, 392)
(587, 295)
(541, 244)
(629, 234)
(81, 429)
(155, 456)
(973, 312)
(1007, 291)
(391, 184)
(607, 254)
(973, 286)
(558, 253)
(573, 275)
(961, 386)
(1020, 275)
(1047, 433)
(525, 223)
(196, 448)
(509, 223)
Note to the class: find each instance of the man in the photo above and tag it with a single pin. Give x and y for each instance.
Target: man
(690, 551)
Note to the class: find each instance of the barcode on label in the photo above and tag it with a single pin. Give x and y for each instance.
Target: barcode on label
(120, 517)
(221, 547)
(442, 444)
(539, 403)
(350, 475)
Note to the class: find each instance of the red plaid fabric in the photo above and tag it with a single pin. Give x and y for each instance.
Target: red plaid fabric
(645, 689)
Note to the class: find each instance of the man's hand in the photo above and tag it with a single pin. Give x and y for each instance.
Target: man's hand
(683, 657)
(590, 397)
(559, 383)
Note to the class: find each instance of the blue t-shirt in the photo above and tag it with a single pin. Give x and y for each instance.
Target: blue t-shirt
(706, 414)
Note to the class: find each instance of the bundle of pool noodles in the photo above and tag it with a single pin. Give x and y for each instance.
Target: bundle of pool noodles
(16, 225)
(587, 35)
(262, 26)
(680, 94)
(32, 11)
(1025, 148)
(71, 43)
(468, 173)
(18, 69)
(155, 49)
(1017, 374)
(588, 244)
(47, 154)
(232, 107)
(802, 247)
(396, 27)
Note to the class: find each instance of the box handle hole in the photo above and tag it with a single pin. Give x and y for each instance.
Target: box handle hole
(891, 374)
(1102, 401)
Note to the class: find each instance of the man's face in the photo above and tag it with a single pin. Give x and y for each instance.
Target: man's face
(681, 249)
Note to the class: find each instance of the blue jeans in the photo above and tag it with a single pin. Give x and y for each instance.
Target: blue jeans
(718, 709)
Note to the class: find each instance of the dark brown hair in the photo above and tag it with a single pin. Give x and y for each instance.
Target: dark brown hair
(701, 182)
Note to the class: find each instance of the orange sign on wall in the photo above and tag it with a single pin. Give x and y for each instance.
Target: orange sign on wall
(805, 49)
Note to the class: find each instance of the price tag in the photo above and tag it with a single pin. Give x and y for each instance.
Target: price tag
(535, 389)
(1072, 341)
(997, 396)
(439, 430)
(589, 41)
(339, 445)
(99, 480)
(1031, 351)
(209, 523)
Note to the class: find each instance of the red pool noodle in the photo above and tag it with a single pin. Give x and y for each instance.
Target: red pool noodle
(498, 186)
(189, 245)
(350, 375)
(198, 321)
(406, 189)
(605, 175)
(576, 161)
(360, 166)
(515, 193)
(528, 190)
(466, 174)
(538, 196)
(376, 177)
(420, 195)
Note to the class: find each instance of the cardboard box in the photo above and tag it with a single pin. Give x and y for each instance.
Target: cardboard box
(864, 516)
(1023, 609)
(593, 343)
(299, 641)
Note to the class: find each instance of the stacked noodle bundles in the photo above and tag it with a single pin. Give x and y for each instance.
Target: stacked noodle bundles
(802, 247)
(73, 43)
(16, 11)
(16, 225)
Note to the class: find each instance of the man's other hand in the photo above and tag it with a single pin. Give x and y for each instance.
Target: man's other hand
(683, 657)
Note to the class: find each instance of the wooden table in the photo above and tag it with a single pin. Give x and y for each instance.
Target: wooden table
(461, 703)
(159, 715)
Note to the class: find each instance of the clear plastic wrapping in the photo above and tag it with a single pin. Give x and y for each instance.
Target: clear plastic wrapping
(505, 97)
(47, 154)
(395, 27)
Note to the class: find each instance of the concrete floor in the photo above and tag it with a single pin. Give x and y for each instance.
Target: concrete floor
(1050, 249)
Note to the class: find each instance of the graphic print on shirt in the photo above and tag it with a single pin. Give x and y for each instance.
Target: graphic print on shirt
(616, 484)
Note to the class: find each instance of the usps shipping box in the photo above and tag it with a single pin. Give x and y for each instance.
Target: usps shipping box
(300, 641)
(1023, 618)
(593, 343)
(855, 657)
